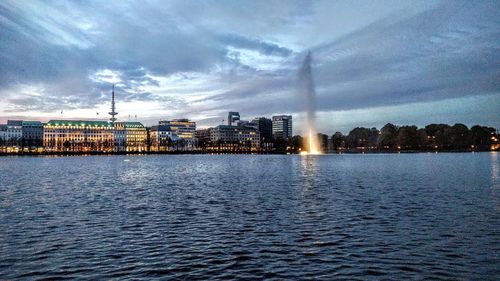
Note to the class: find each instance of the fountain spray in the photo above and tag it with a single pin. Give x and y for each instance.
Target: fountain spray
(306, 85)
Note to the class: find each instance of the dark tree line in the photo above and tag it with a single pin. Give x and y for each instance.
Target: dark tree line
(433, 136)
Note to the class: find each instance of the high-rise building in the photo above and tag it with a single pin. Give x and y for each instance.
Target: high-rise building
(233, 117)
(282, 126)
(265, 127)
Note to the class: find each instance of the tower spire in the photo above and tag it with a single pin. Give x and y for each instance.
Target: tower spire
(113, 112)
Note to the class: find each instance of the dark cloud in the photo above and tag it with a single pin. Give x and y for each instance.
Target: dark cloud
(209, 57)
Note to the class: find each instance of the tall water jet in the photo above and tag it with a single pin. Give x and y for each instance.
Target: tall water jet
(306, 86)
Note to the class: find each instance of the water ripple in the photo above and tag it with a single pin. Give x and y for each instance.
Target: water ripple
(198, 217)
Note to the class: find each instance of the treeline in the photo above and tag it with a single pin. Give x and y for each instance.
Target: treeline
(434, 137)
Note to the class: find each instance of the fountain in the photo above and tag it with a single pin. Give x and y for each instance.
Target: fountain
(306, 86)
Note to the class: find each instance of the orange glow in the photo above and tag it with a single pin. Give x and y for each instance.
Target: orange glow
(313, 144)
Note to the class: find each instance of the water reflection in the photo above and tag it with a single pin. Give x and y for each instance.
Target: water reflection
(495, 170)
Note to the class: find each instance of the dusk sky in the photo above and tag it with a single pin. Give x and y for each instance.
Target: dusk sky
(405, 62)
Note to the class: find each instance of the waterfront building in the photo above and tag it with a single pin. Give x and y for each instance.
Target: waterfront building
(78, 135)
(161, 138)
(233, 117)
(32, 133)
(3, 131)
(234, 138)
(3, 137)
(183, 128)
(202, 135)
(14, 130)
(282, 126)
(182, 133)
(11, 134)
(130, 136)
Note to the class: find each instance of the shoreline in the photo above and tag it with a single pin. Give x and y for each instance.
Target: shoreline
(98, 153)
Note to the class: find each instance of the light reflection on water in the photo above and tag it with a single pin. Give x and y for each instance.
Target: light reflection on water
(394, 216)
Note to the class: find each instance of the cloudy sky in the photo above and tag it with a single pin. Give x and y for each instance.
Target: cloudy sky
(406, 62)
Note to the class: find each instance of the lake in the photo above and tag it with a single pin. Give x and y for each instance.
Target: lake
(188, 217)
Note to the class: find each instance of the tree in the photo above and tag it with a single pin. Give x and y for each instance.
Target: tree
(407, 137)
(388, 135)
(481, 136)
(338, 140)
(361, 137)
(459, 136)
(438, 135)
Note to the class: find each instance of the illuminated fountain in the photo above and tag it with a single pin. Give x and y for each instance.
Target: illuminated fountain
(306, 86)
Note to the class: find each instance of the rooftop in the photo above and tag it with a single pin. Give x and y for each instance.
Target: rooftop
(83, 123)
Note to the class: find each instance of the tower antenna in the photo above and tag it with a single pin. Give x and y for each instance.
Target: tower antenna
(113, 113)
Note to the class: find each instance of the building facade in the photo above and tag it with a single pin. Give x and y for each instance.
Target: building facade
(161, 138)
(32, 133)
(182, 134)
(265, 128)
(183, 128)
(234, 138)
(78, 135)
(282, 126)
(130, 136)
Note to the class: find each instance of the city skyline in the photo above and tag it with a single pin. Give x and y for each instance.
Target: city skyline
(406, 63)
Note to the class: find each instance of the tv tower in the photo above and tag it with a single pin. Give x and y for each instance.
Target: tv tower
(113, 112)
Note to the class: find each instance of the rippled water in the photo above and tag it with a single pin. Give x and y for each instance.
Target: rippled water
(188, 217)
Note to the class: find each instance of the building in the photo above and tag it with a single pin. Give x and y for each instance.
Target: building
(130, 136)
(3, 137)
(202, 135)
(14, 130)
(282, 126)
(182, 134)
(32, 133)
(78, 135)
(11, 133)
(234, 138)
(233, 117)
(265, 127)
(161, 138)
(183, 128)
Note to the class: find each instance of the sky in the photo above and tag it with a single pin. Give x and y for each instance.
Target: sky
(373, 62)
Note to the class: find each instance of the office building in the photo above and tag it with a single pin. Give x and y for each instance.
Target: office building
(182, 134)
(282, 126)
(32, 133)
(161, 138)
(225, 137)
(130, 136)
(265, 127)
(183, 128)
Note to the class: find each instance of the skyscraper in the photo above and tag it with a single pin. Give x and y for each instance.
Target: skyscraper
(265, 127)
(282, 126)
